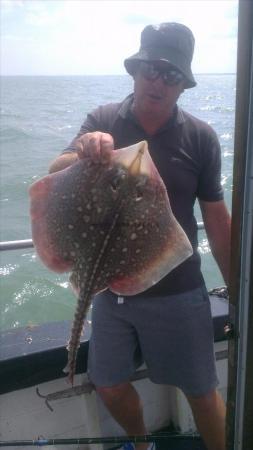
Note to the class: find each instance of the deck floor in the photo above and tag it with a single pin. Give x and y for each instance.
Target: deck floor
(173, 443)
(178, 445)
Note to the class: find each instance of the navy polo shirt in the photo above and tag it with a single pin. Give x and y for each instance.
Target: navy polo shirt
(187, 155)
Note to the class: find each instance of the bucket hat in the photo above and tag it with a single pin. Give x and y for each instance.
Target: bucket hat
(171, 42)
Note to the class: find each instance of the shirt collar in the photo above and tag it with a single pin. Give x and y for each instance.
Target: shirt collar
(125, 111)
(125, 108)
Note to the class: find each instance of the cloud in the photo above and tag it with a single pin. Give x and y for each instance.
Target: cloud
(7, 6)
(82, 36)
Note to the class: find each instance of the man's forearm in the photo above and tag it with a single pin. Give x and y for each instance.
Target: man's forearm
(63, 161)
(221, 253)
(217, 223)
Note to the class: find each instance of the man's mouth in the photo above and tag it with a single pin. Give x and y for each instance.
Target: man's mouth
(155, 96)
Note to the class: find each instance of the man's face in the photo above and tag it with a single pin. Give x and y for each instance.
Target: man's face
(155, 90)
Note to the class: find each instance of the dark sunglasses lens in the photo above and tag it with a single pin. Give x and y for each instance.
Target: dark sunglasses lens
(148, 71)
(172, 77)
(151, 73)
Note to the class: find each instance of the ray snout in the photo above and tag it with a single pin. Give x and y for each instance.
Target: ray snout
(136, 159)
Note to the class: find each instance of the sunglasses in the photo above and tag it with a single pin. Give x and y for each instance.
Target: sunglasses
(169, 75)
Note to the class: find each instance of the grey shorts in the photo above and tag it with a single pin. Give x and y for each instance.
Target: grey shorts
(173, 335)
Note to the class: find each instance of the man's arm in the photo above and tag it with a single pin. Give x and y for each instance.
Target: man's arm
(63, 161)
(217, 223)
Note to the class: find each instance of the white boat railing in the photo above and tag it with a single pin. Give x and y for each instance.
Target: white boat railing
(16, 245)
(28, 243)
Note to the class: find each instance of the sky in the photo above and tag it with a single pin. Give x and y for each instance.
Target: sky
(82, 37)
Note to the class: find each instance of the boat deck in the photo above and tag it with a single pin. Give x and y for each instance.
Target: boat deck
(186, 445)
(34, 356)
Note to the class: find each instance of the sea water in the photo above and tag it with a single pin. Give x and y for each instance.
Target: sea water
(39, 117)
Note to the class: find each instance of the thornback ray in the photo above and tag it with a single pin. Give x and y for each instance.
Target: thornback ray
(110, 224)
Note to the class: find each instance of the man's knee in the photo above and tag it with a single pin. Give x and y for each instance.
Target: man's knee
(206, 402)
(111, 393)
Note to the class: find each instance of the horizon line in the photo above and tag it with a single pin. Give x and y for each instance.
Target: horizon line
(101, 75)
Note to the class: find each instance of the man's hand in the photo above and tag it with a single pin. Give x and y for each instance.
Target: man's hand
(96, 145)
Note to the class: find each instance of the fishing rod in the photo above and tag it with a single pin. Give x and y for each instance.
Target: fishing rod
(40, 442)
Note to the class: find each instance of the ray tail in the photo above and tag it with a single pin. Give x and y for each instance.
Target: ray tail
(83, 304)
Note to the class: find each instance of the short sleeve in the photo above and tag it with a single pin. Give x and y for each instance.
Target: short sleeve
(209, 185)
(101, 119)
(90, 124)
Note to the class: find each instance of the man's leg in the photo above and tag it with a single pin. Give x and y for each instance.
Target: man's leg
(124, 404)
(209, 412)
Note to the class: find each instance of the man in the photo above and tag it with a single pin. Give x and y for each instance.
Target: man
(169, 326)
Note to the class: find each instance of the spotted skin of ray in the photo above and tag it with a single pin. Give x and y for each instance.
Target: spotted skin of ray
(110, 225)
